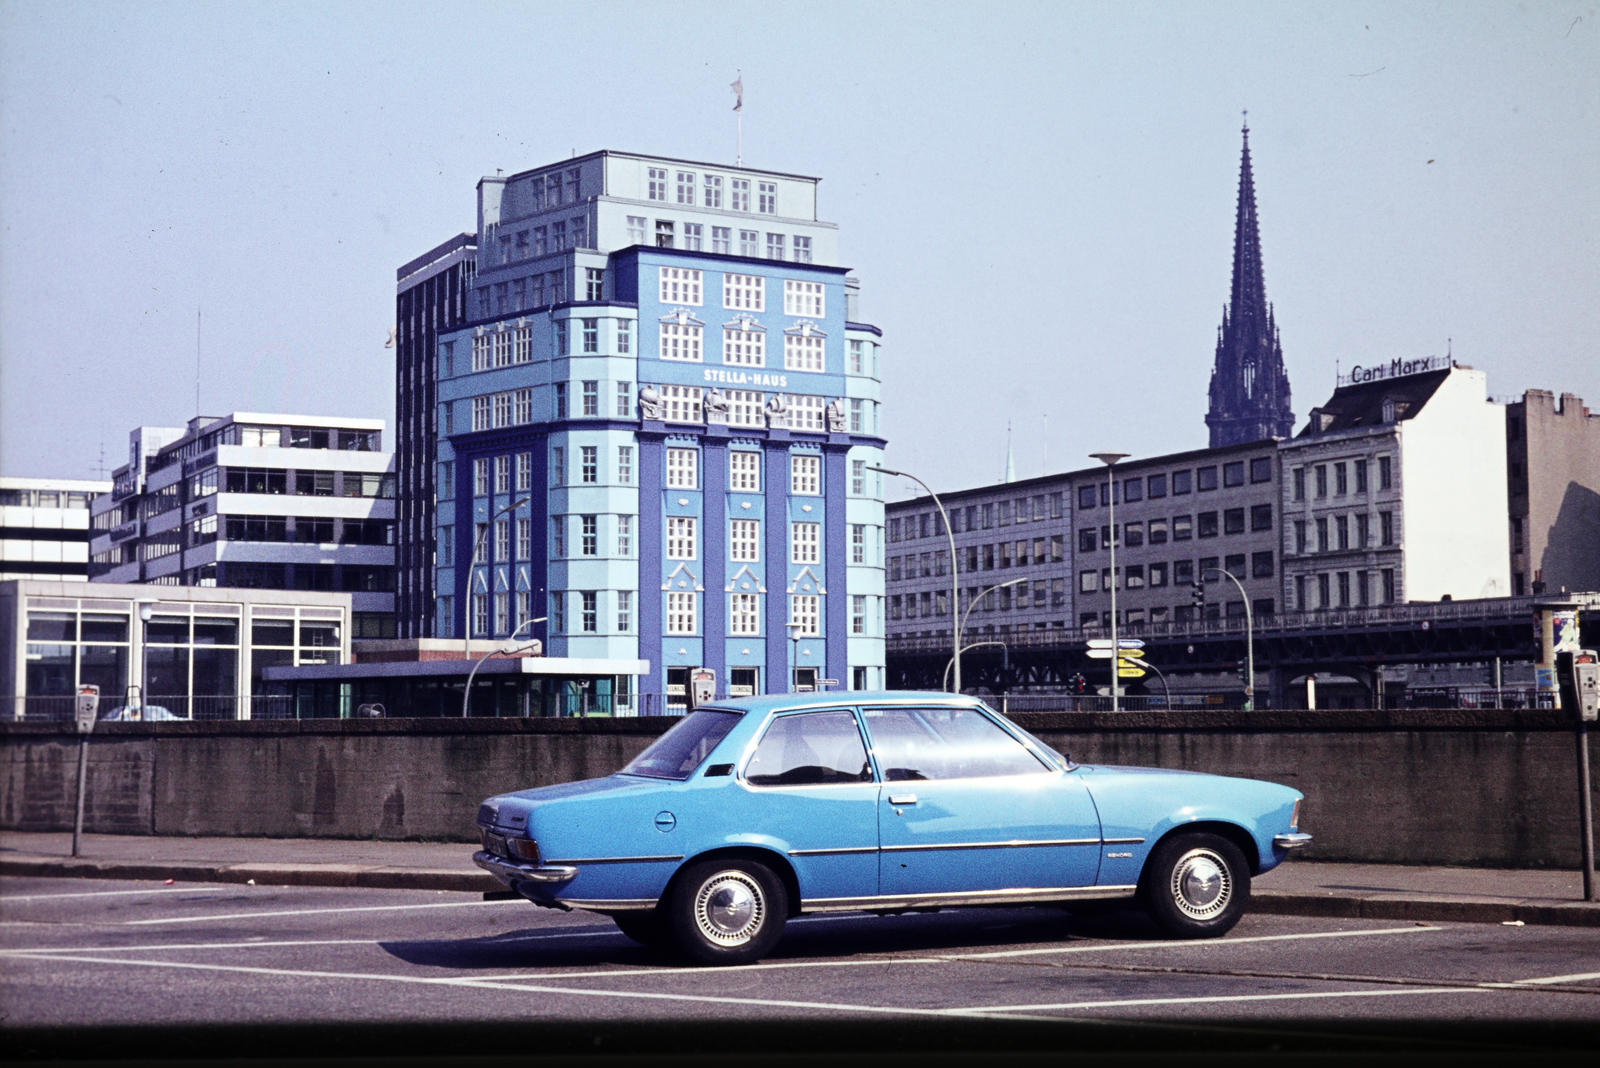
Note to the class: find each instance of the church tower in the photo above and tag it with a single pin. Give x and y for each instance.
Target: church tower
(1249, 387)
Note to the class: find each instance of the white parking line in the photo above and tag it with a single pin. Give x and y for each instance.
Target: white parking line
(495, 941)
(308, 912)
(8, 900)
(1214, 998)
(1579, 978)
(1205, 944)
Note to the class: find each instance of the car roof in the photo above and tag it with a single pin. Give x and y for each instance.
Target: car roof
(780, 702)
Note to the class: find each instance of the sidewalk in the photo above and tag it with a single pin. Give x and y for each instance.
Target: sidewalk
(1296, 888)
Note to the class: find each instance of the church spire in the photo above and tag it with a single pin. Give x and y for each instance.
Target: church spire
(1249, 387)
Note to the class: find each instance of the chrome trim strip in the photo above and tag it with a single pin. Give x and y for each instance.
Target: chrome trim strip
(831, 852)
(992, 845)
(1016, 896)
(616, 860)
(1121, 841)
(1293, 840)
(609, 905)
(510, 872)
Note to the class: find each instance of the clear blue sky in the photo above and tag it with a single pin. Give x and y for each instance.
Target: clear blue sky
(1038, 197)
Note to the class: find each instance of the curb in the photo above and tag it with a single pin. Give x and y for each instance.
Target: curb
(1546, 912)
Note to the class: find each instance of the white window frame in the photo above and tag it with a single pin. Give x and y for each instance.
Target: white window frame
(805, 609)
(804, 352)
(806, 413)
(686, 188)
(681, 614)
(767, 194)
(712, 184)
(744, 471)
(744, 292)
(744, 348)
(744, 541)
(683, 468)
(805, 474)
(739, 194)
(682, 286)
(624, 536)
(805, 543)
(682, 537)
(744, 614)
(746, 407)
(682, 404)
(656, 189)
(681, 342)
(808, 299)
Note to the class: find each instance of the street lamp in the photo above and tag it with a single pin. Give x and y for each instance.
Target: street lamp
(795, 631)
(955, 582)
(1249, 638)
(466, 598)
(144, 607)
(506, 649)
(962, 630)
(1110, 460)
(945, 679)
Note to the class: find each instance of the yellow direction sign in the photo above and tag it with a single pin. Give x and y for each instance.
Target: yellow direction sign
(1128, 672)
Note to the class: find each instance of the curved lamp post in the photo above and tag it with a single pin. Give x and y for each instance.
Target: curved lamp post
(466, 598)
(965, 648)
(507, 649)
(1249, 637)
(962, 630)
(955, 582)
(1110, 460)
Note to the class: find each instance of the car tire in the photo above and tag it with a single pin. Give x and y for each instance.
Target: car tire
(724, 912)
(1196, 886)
(644, 928)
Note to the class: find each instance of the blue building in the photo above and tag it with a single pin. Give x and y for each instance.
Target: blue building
(657, 428)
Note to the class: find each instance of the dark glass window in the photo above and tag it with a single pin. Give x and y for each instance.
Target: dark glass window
(1261, 565)
(1207, 525)
(1133, 489)
(1182, 482)
(1261, 469)
(1232, 473)
(1206, 478)
(1261, 517)
(677, 753)
(1086, 541)
(1233, 521)
(1157, 486)
(1086, 498)
(810, 749)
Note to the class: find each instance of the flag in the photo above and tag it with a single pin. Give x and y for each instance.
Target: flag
(738, 92)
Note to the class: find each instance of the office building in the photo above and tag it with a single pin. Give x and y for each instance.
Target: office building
(1395, 490)
(255, 501)
(44, 526)
(1553, 472)
(431, 296)
(657, 428)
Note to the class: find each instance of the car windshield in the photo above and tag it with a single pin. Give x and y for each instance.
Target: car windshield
(682, 749)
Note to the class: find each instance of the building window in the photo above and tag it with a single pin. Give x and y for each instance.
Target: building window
(745, 408)
(558, 535)
(1300, 537)
(713, 191)
(803, 610)
(749, 243)
(739, 194)
(480, 477)
(1360, 467)
(1261, 469)
(624, 535)
(681, 286)
(805, 543)
(683, 469)
(624, 400)
(1206, 478)
(1322, 480)
(744, 292)
(686, 186)
(482, 413)
(805, 476)
(1322, 534)
(591, 393)
(636, 229)
(744, 348)
(1232, 473)
(625, 464)
(524, 539)
(663, 233)
(558, 612)
(1385, 473)
(802, 249)
(624, 610)
(744, 471)
(480, 613)
(858, 543)
(658, 184)
(1233, 521)
(803, 298)
(680, 341)
(744, 541)
(589, 463)
(693, 233)
(767, 204)
(1299, 477)
(1088, 581)
(1261, 517)
(680, 538)
(1364, 532)
(1389, 593)
(1207, 525)
(1341, 480)
(590, 612)
(1385, 528)
(447, 472)
(721, 240)
(744, 615)
(1261, 565)
(1341, 526)
(858, 614)
(682, 404)
(802, 352)
(858, 477)
(558, 465)
(590, 544)
(624, 335)
(561, 400)
(502, 474)
(805, 413)
(775, 246)
(680, 613)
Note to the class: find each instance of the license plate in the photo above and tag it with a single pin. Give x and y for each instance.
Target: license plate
(496, 844)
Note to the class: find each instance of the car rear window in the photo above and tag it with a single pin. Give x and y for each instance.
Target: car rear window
(685, 747)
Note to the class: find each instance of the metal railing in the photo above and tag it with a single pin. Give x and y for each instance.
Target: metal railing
(156, 708)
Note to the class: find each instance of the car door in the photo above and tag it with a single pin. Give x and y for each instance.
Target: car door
(810, 786)
(964, 806)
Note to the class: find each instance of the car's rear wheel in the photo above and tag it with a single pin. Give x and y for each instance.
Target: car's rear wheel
(1196, 885)
(644, 927)
(727, 912)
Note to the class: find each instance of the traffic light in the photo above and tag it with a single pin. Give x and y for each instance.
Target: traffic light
(1197, 594)
(1079, 683)
(1244, 673)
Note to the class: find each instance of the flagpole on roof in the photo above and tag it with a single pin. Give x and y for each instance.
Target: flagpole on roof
(738, 109)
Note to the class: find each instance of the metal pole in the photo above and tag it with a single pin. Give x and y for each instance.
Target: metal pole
(1498, 701)
(1110, 459)
(83, 776)
(1249, 636)
(955, 579)
(466, 694)
(1585, 810)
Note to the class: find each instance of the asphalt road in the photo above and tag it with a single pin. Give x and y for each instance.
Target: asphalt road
(97, 968)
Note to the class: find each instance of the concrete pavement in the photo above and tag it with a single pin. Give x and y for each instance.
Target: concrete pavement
(1296, 888)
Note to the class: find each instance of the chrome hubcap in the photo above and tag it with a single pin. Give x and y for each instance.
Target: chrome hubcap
(1202, 886)
(730, 908)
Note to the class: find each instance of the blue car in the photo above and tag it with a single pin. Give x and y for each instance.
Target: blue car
(750, 811)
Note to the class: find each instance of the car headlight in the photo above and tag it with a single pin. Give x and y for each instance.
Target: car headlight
(1294, 817)
(523, 849)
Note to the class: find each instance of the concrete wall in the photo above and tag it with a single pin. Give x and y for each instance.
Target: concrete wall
(1436, 787)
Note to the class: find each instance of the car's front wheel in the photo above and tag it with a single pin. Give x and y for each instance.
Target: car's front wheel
(727, 912)
(1196, 885)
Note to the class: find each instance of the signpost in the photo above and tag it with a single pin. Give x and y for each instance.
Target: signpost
(87, 711)
(702, 686)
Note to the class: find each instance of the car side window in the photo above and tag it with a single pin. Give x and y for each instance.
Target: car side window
(945, 743)
(810, 749)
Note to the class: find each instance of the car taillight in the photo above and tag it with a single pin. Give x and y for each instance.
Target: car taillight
(1294, 817)
(523, 848)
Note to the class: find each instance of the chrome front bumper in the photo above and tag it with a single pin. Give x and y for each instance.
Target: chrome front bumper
(1293, 840)
(510, 872)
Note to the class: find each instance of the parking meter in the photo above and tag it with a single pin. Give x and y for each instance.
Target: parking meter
(703, 686)
(1586, 684)
(87, 708)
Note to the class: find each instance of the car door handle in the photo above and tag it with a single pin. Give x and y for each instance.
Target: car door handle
(902, 799)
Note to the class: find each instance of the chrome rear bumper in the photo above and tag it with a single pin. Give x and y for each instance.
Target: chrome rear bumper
(509, 871)
(1293, 840)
